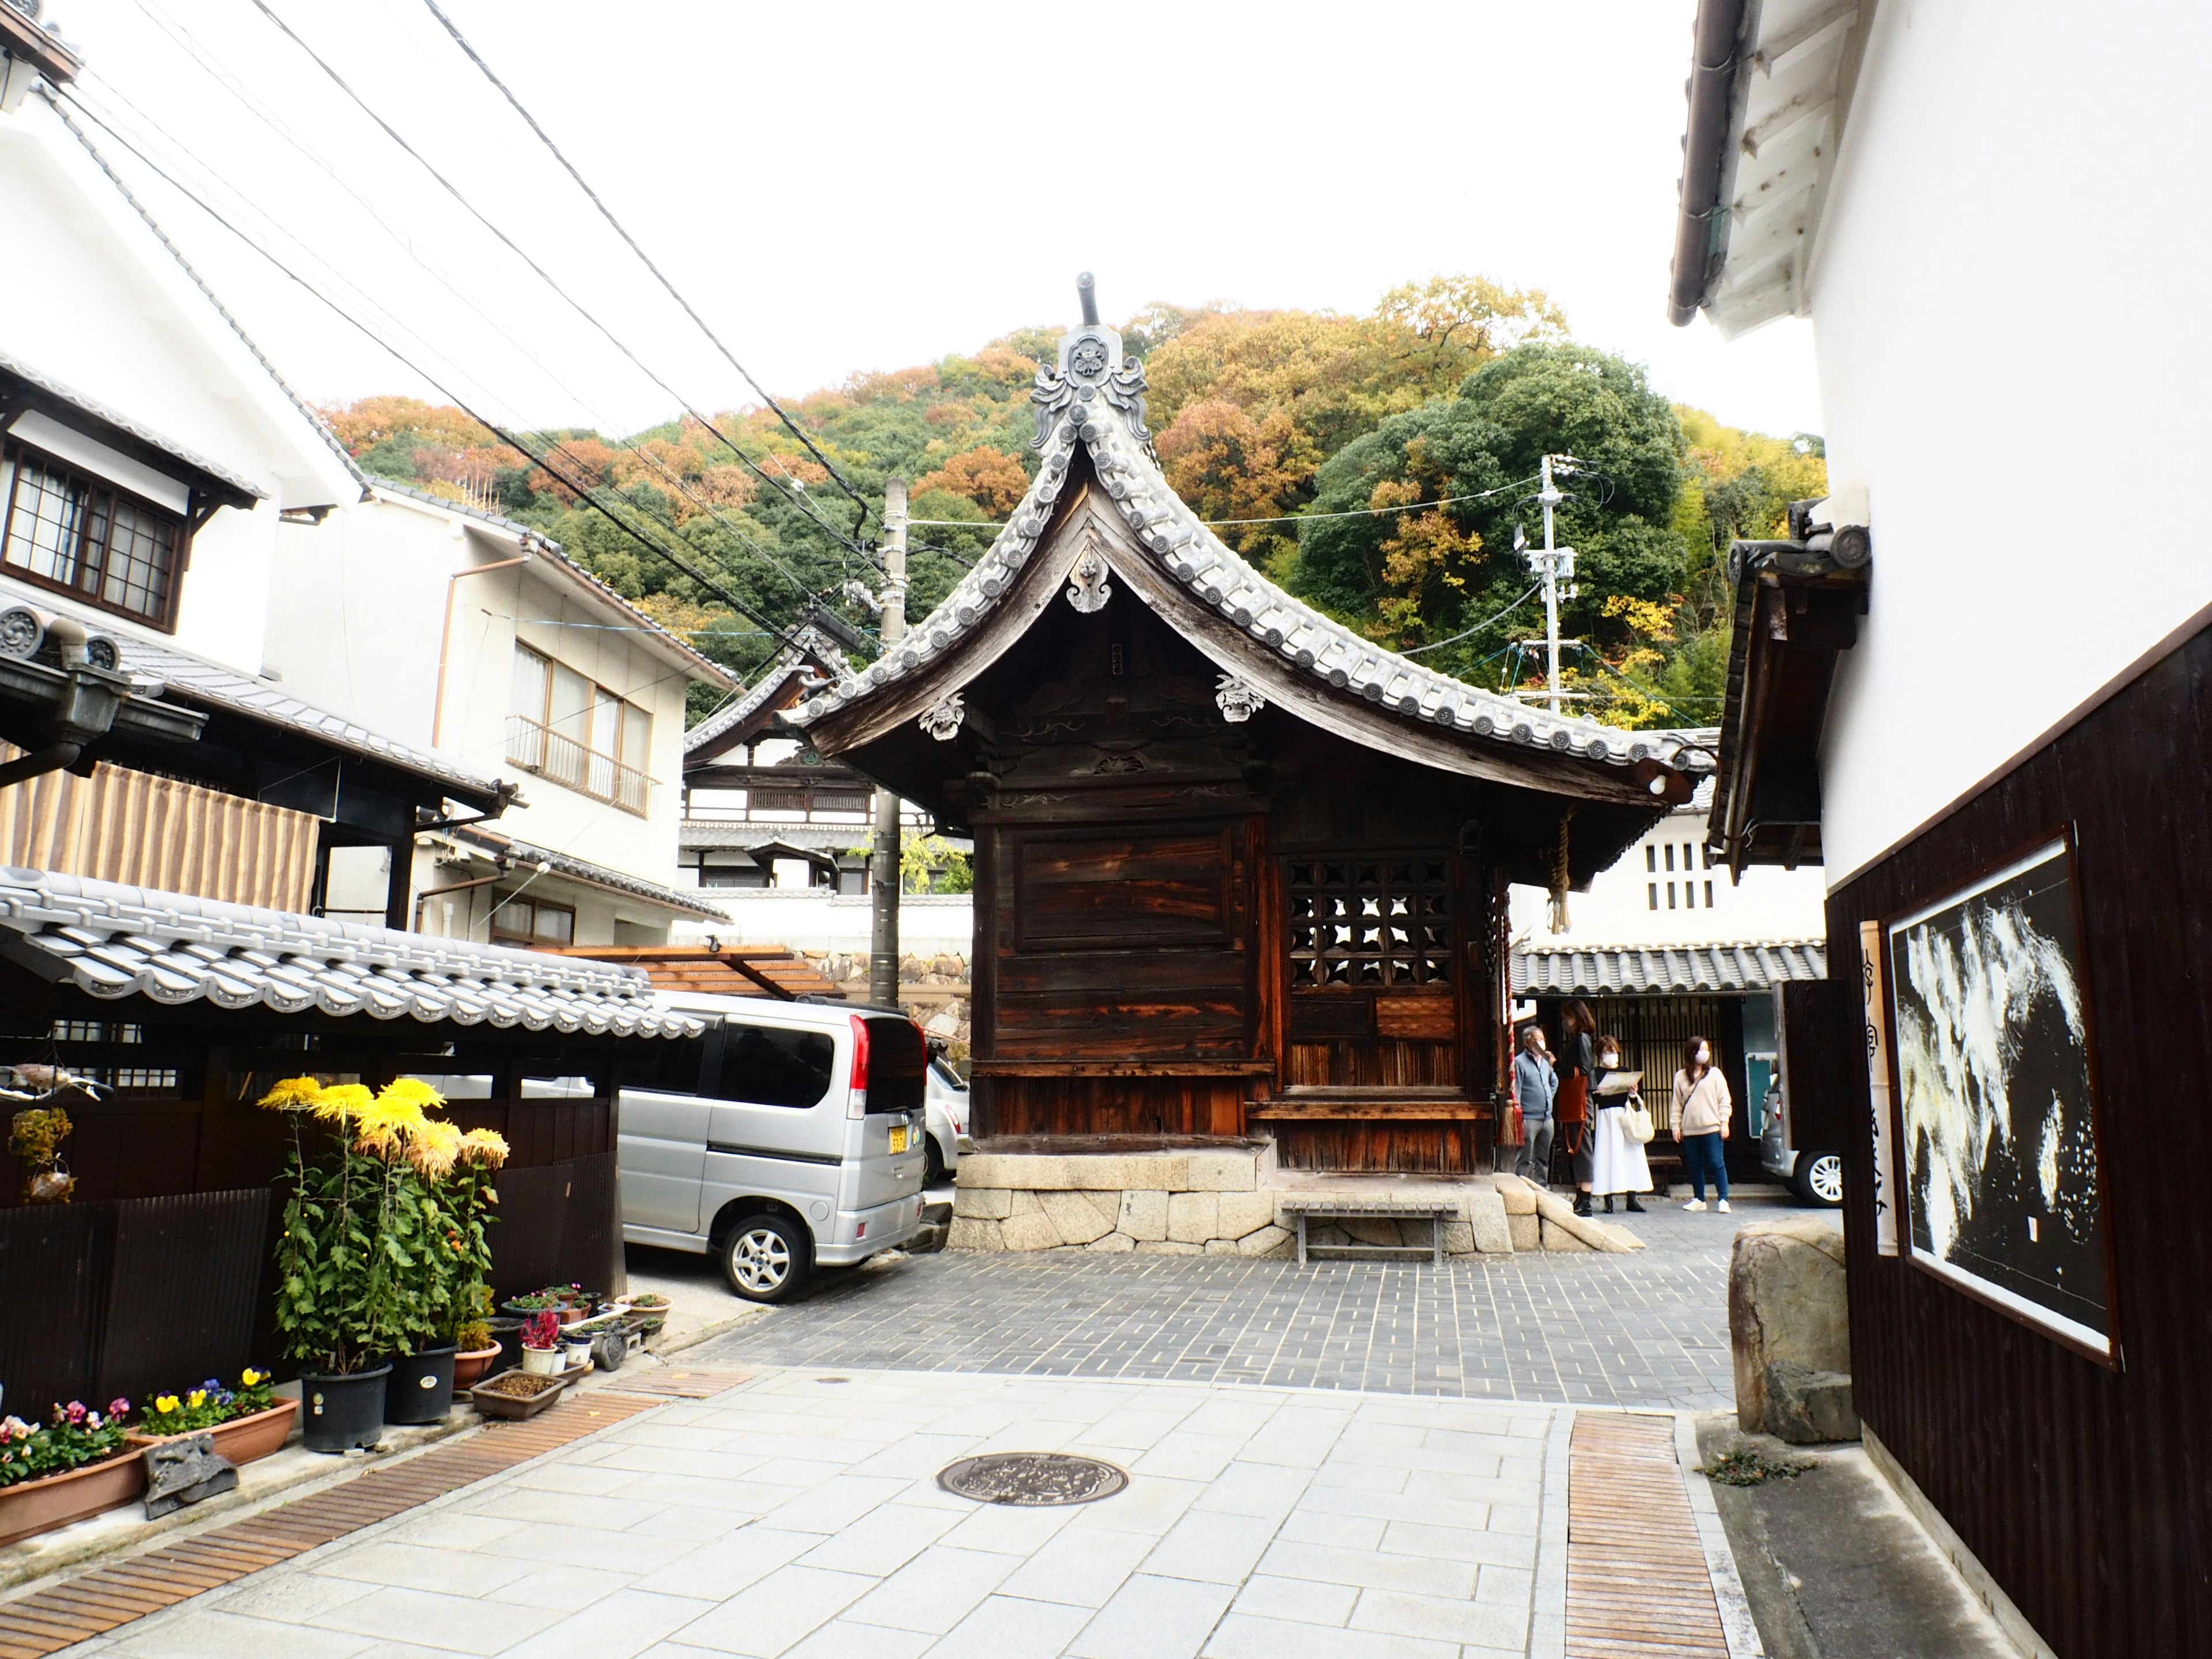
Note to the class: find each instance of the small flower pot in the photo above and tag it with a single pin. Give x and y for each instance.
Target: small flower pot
(572, 1314)
(503, 1398)
(242, 1439)
(55, 1500)
(577, 1353)
(421, 1387)
(541, 1362)
(338, 1413)
(470, 1367)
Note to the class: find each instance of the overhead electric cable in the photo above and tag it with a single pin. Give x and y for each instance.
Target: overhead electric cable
(798, 498)
(606, 213)
(1439, 645)
(1287, 518)
(583, 492)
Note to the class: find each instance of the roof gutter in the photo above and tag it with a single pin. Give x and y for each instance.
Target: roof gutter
(1700, 231)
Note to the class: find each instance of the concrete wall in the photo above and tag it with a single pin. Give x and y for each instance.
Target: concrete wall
(2007, 300)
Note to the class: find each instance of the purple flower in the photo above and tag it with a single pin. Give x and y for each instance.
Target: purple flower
(118, 1406)
(76, 1411)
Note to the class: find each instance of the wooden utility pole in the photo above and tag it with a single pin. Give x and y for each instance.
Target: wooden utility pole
(884, 882)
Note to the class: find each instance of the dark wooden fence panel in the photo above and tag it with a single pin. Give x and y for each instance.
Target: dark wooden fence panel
(53, 1296)
(557, 1225)
(2086, 1492)
(188, 1278)
(1824, 1056)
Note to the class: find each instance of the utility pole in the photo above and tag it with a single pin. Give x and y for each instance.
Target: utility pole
(1551, 564)
(884, 879)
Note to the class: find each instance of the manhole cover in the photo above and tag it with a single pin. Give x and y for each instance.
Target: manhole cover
(1031, 1479)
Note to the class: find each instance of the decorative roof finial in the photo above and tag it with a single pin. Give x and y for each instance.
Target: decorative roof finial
(1087, 291)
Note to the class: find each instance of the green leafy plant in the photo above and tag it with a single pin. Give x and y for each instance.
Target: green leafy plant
(76, 1435)
(1747, 1468)
(473, 1333)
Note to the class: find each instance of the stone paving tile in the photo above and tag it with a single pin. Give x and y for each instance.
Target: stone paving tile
(1650, 1329)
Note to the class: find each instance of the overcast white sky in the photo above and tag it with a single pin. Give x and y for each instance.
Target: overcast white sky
(864, 186)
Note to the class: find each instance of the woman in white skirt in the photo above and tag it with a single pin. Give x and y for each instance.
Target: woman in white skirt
(1618, 1166)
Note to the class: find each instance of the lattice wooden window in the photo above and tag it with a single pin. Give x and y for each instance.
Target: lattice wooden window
(1371, 921)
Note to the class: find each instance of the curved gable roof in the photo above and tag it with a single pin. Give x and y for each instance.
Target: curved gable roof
(1091, 419)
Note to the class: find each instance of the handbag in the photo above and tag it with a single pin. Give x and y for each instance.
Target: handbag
(1636, 1120)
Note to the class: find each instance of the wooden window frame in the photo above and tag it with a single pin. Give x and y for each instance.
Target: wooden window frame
(504, 903)
(531, 740)
(180, 526)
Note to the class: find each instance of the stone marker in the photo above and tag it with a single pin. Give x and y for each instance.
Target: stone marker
(183, 1471)
(1806, 1408)
(1787, 1305)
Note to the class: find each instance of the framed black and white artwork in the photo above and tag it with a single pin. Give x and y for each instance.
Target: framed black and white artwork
(1996, 1099)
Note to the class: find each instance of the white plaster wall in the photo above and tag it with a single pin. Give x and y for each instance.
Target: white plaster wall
(930, 924)
(2007, 299)
(1769, 906)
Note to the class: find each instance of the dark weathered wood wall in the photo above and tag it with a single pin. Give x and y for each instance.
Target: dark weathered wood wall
(2087, 1493)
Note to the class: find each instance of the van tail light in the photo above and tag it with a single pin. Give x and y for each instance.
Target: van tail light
(856, 1098)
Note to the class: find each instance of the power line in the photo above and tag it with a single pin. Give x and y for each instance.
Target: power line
(1287, 518)
(797, 499)
(606, 213)
(1439, 645)
(583, 492)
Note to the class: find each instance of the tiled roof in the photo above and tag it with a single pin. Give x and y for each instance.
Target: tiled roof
(199, 680)
(772, 678)
(153, 440)
(583, 870)
(1092, 403)
(1642, 971)
(113, 941)
(709, 670)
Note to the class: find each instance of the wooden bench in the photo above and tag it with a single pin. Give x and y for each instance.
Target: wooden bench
(1339, 1206)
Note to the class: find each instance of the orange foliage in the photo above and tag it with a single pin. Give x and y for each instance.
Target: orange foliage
(1228, 465)
(372, 420)
(991, 478)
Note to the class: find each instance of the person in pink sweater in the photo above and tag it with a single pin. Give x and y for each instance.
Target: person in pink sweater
(1702, 1107)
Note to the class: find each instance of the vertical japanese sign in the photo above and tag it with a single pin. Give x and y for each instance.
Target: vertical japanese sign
(1871, 956)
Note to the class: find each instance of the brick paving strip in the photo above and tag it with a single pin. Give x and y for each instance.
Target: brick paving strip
(94, 1603)
(1637, 1583)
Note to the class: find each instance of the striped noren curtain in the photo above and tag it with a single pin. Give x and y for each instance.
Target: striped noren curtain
(159, 833)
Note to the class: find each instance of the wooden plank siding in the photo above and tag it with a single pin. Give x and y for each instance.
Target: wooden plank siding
(2085, 1491)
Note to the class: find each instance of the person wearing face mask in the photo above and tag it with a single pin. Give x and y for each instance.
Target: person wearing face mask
(1578, 1058)
(1618, 1166)
(1534, 1082)
(1701, 1122)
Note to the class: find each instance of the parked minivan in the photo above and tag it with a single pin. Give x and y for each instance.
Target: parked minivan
(800, 1142)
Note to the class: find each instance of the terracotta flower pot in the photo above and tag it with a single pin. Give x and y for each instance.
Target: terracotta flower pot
(242, 1439)
(468, 1367)
(55, 1500)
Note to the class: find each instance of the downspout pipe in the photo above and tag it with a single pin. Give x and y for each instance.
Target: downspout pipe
(54, 757)
(85, 713)
(1711, 92)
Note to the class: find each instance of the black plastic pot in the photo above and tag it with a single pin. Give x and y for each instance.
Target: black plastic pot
(420, 1388)
(508, 1333)
(337, 1413)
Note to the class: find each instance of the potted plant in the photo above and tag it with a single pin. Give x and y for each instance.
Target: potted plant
(353, 1263)
(247, 1422)
(576, 1350)
(35, 1136)
(541, 1344)
(535, 1301)
(78, 1464)
(465, 1196)
(477, 1346)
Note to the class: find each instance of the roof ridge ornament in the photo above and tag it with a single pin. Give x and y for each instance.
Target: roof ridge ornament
(1092, 367)
(1238, 699)
(1088, 590)
(942, 719)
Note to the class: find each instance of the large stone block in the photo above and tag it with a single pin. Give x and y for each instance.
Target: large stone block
(1787, 1304)
(1459, 1236)
(1488, 1222)
(1586, 1231)
(1268, 1241)
(1194, 1217)
(1028, 1169)
(1224, 1172)
(982, 1203)
(1114, 1245)
(969, 1234)
(1220, 1246)
(1369, 1230)
(1156, 1172)
(1244, 1212)
(1023, 1202)
(1074, 1217)
(1028, 1232)
(1806, 1408)
(1167, 1247)
(1108, 1205)
(1143, 1215)
(1527, 1230)
(1519, 1196)
(1556, 1237)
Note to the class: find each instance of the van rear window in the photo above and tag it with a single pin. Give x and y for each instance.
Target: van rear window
(774, 1065)
(898, 1060)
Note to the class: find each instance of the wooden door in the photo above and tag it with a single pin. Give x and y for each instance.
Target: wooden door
(1372, 945)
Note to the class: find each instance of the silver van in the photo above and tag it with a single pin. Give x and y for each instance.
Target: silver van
(800, 1142)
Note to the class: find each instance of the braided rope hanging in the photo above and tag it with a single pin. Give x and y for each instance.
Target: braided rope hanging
(1560, 875)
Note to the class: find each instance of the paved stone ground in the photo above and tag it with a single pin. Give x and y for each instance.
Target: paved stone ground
(798, 1516)
(1649, 1329)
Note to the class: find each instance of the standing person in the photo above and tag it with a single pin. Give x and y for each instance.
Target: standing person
(1534, 1082)
(1618, 1165)
(1702, 1107)
(1577, 1056)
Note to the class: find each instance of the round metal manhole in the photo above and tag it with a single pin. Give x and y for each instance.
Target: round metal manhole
(1032, 1479)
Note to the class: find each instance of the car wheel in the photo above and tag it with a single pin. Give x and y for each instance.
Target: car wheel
(767, 1258)
(932, 1174)
(1819, 1179)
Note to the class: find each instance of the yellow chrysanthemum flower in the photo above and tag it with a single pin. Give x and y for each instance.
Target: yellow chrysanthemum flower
(343, 1102)
(485, 1148)
(411, 1091)
(432, 1150)
(293, 1094)
(384, 1126)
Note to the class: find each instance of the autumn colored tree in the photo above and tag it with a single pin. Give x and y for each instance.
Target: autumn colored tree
(991, 478)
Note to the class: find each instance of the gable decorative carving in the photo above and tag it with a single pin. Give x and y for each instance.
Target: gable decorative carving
(1238, 699)
(942, 719)
(1088, 590)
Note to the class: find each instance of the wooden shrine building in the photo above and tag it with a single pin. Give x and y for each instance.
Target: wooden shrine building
(1238, 870)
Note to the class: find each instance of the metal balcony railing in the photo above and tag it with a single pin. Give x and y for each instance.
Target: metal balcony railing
(536, 747)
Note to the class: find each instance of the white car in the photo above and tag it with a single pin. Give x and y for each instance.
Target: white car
(946, 1097)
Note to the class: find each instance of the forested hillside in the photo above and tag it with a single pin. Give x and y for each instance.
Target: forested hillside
(1376, 465)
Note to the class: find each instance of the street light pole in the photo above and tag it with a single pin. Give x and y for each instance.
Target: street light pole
(884, 879)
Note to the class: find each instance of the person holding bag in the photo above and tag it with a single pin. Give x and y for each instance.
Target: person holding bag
(1618, 1165)
(1702, 1109)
